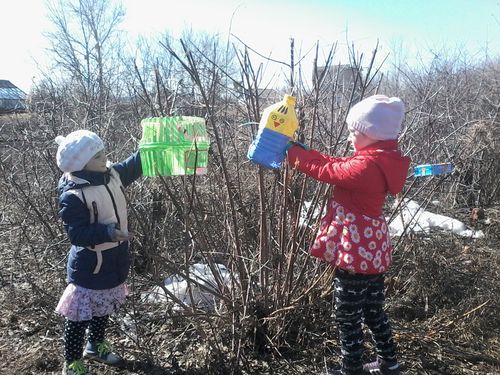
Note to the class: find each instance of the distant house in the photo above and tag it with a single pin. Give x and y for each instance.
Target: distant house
(341, 79)
(341, 76)
(12, 99)
(269, 96)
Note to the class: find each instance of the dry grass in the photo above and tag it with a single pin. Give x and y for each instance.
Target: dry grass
(443, 300)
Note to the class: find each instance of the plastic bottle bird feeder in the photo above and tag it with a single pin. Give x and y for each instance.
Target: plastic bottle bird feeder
(277, 126)
(174, 146)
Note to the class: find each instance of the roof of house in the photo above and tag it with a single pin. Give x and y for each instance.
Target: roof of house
(10, 91)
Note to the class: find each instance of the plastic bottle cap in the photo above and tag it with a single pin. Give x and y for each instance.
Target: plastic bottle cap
(289, 99)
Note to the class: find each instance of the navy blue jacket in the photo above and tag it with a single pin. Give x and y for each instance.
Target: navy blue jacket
(76, 219)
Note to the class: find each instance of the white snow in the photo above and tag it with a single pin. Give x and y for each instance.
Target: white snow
(306, 206)
(203, 285)
(419, 220)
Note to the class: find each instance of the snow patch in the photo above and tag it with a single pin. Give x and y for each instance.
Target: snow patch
(203, 285)
(419, 220)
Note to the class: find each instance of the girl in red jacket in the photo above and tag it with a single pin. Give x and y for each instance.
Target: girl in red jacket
(353, 235)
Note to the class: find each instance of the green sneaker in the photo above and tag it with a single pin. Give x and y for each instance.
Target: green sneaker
(75, 368)
(101, 352)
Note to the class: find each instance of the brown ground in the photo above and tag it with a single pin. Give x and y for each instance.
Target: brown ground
(443, 298)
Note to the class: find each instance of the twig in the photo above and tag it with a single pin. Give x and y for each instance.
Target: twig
(467, 313)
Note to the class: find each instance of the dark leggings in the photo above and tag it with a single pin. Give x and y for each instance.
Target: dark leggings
(361, 298)
(74, 335)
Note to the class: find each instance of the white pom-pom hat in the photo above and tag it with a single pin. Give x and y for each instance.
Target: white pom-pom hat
(76, 149)
(378, 116)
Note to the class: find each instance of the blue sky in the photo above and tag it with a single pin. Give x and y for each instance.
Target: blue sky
(406, 30)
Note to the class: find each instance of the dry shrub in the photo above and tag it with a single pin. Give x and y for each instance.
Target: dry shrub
(445, 303)
(479, 165)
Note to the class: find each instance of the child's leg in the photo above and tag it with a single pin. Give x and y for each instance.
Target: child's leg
(377, 321)
(74, 335)
(349, 297)
(97, 329)
(97, 348)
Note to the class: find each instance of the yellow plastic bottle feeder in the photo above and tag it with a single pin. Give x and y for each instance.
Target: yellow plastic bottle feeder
(174, 146)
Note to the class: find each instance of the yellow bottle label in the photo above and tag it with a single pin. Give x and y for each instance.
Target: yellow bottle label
(282, 117)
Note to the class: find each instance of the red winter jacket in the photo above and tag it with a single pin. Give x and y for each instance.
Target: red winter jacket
(353, 233)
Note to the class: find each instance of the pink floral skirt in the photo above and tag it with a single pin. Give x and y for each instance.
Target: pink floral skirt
(78, 303)
(352, 241)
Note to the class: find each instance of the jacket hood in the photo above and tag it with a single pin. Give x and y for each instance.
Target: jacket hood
(391, 162)
(77, 180)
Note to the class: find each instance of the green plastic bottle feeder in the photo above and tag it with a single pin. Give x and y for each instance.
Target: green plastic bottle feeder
(174, 146)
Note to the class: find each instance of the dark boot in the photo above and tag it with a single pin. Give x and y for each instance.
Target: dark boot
(381, 367)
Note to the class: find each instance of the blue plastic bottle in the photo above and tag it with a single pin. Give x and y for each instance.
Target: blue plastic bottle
(433, 169)
(277, 126)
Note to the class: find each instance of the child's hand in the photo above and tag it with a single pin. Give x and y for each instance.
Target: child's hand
(123, 236)
(118, 235)
(292, 143)
(303, 145)
(288, 145)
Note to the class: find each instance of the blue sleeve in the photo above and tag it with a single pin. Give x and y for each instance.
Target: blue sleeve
(76, 220)
(130, 169)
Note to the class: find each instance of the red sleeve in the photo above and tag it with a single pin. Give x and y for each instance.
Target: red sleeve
(347, 172)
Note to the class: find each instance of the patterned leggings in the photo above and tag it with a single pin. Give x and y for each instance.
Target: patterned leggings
(74, 335)
(361, 298)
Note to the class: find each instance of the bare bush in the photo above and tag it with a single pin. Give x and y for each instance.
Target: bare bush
(259, 223)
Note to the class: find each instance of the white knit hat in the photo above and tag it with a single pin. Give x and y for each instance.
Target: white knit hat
(378, 116)
(76, 149)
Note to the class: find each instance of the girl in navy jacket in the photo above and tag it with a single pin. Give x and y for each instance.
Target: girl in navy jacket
(93, 209)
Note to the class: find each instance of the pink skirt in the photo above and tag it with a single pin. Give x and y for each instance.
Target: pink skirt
(352, 241)
(78, 303)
